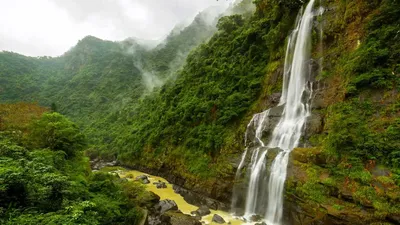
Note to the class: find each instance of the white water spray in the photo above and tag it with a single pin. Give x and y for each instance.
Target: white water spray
(287, 133)
(296, 95)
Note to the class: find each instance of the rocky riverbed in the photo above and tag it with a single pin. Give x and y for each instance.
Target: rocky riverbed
(171, 207)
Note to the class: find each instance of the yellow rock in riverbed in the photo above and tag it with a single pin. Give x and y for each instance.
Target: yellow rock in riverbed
(168, 193)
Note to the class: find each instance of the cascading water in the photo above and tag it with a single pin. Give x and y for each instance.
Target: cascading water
(266, 192)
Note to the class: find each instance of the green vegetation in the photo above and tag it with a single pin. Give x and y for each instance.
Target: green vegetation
(193, 117)
(193, 124)
(360, 142)
(44, 179)
(364, 124)
(55, 132)
(96, 79)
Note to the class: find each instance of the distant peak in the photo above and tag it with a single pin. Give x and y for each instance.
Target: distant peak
(90, 38)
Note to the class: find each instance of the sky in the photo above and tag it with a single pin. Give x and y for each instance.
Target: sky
(52, 27)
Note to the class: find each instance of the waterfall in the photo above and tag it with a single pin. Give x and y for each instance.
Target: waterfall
(265, 191)
(288, 58)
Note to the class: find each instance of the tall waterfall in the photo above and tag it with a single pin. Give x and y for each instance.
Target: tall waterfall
(265, 193)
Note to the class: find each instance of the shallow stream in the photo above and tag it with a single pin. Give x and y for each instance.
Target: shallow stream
(168, 193)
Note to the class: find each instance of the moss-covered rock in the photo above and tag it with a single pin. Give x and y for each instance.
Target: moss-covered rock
(314, 193)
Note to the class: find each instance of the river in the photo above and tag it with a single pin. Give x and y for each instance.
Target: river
(168, 193)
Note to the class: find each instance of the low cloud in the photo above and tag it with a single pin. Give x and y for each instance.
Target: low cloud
(56, 25)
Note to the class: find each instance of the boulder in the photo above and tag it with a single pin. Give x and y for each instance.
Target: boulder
(166, 205)
(145, 181)
(202, 211)
(143, 178)
(196, 217)
(255, 218)
(154, 198)
(178, 218)
(158, 220)
(160, 185)
(218, 219)
(115, 174)
(98, 164)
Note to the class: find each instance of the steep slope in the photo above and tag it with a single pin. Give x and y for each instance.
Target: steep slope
(90, 81)
(351, 175)
(22, 77)
(193, 129)
(172, 52)
(93, 81)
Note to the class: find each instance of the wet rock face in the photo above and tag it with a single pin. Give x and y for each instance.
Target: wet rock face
(275, 98)
(268, 126)
(218, 219)
(314, 124)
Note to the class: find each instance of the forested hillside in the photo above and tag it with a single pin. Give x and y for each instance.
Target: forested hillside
(197, 115)
(183, 107)
(46, 180)
(96, 79)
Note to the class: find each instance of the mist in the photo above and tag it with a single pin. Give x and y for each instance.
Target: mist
(207, 19)
(51, 27)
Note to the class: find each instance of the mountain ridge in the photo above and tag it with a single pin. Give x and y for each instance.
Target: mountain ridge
(192, 125)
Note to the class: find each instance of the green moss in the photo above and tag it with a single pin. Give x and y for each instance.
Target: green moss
(312, 189)
(338, 207)
(386, 180)
(330, 182)
(362, 176)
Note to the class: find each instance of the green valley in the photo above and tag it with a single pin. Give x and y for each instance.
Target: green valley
(183, 110)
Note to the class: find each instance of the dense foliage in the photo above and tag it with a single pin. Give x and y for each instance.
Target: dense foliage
(360, 142)
(365, 124)
(44, 179)
(192, 118)
(193, 115)
(96, 79)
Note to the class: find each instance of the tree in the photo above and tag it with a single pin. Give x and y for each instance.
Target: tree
(56, 132)
(54, 107)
